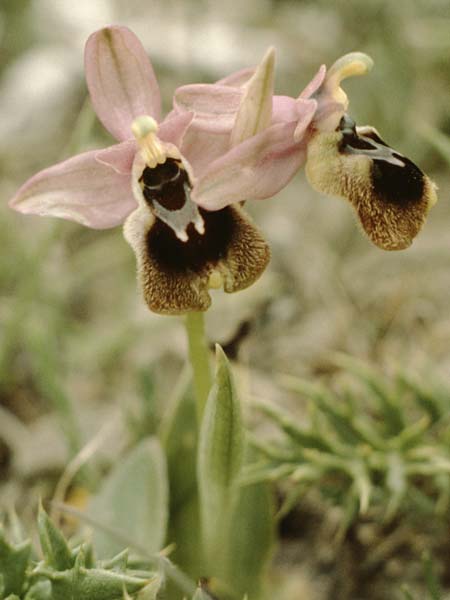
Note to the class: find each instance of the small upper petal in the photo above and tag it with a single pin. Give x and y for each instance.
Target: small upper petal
(121, 80)
(306, 109)
(258, 168)
(80, 189)
(315, 83)
(255, 109)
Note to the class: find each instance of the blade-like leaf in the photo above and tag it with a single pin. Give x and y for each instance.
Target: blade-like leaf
(251, 540)
(219, 460)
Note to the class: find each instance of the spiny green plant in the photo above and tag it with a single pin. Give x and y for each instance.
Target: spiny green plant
(66, 572)
(381, 445)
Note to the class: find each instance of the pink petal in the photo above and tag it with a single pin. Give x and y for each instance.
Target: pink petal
(120, 156)
(80, 189)
(238, 78)
(174, 127)
(315, 83)
(215, 106)
(258, 168)
(120, 79)
(306, 109)
(284, 109)
(201, 147)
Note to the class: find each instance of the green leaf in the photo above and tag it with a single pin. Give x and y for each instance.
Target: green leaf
(201, 595)
(429, 399)
(219, 460)
(133, 502)
(407, 593)
(388, 404)
(251, 541)
(302, 437)
(42, 590)
(178, 433)
(13, 564)
(431, 578)
(396, 483)
(97, 584)
(337, 412)
(54, 546)
(151, 590)
(118, 562)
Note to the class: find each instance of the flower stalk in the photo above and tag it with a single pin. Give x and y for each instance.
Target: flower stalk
(199, 359)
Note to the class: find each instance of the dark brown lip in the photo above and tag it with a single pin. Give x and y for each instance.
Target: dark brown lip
(200, 250)
(402, 186)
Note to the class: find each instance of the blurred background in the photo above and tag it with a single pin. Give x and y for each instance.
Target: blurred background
(77, 344)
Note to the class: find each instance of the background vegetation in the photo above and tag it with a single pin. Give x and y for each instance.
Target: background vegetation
(80, 354)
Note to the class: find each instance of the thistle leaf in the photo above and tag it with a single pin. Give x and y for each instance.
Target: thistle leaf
(151, 590)
(54, 546)
(42, 590)
(100, 584)
(13, 564)
(201, 595)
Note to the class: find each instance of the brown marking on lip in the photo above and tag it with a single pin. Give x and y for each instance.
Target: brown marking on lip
(174, 275)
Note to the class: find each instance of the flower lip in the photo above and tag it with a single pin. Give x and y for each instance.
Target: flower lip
(400, 186)
(199, 250)
(176, 276)
(390, 194)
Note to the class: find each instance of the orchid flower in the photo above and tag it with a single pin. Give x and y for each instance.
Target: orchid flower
(147, 180)
(390, 194)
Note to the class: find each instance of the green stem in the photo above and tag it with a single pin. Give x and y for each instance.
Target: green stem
(199, 357)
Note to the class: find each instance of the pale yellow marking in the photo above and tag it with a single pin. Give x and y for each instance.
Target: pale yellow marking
(144, 129)
(215, 281)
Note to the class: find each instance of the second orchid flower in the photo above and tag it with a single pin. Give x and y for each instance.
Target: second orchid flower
(389, 193)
